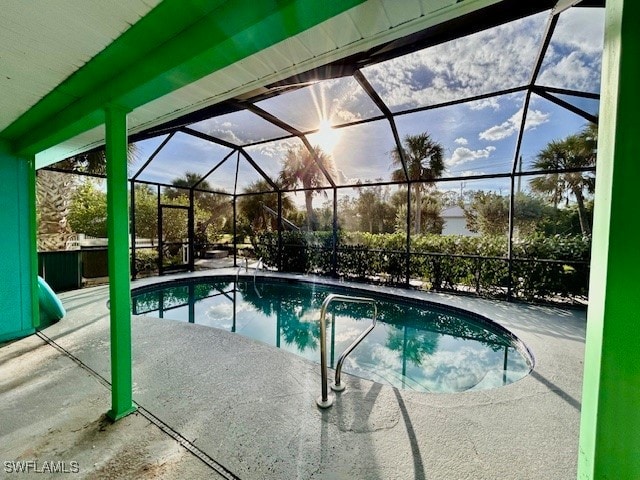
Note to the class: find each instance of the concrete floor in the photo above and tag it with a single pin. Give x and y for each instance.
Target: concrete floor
(223, 405)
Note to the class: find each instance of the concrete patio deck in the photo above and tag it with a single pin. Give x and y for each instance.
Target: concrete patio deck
(215, 405)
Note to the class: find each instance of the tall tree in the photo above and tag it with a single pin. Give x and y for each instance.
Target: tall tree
(425, 163)
(213, 211)
(88, 210)
(575, 151)
(487, 213)
(146, 210)
(300, 168)
(259, 209)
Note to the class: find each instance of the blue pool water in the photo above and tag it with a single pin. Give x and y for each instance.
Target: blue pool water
(414, 346)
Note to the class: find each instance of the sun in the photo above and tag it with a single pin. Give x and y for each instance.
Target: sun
(326, 137)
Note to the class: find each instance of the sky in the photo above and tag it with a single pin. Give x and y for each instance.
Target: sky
(478, 137)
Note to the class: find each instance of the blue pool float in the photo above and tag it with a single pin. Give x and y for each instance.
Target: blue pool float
(51, 309)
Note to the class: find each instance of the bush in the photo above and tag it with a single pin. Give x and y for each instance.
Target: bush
(146, 261)
(543, 266)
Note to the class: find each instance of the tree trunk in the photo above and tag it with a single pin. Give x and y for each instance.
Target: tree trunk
(418, 197)
(582, 213)
(308, 200)
(53, 198)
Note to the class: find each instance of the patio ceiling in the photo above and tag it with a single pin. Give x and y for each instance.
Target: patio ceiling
(50, 109)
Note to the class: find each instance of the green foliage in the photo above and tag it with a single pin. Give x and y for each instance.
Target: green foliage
(544, 267)
(566, 220)
(260, 211)
(301, 168)
(487, 213)
(537, 278)
(146, 210)
(575, 151)
(424, 159)
(88, 210)
(373, 210)
(146, 261)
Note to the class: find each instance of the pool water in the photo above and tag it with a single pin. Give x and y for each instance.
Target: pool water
(413, 347)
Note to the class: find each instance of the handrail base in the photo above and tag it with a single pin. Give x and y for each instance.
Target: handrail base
(325, 403)
(338, 388)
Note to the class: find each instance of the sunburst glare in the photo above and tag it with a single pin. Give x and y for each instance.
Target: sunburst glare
(326, 137)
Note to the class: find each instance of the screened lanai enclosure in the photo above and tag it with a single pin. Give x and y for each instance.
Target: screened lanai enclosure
(459, 158)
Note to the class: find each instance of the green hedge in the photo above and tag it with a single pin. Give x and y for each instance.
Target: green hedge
(146, 261)
(543, 267)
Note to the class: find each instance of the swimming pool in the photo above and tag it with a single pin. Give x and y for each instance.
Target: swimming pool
(414, 346)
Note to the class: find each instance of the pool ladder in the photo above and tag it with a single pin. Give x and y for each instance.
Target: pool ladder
(326, 400)
(239, 269)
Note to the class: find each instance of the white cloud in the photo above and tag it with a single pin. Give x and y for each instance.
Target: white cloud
(470, 173)
(464, 154)
(461, 141)
(511, 126)
(535, 118)
(227, 135)
(495, 59)
(571, 71)
(581, 29)
(274, 149)
(574, 56)
(492, 103)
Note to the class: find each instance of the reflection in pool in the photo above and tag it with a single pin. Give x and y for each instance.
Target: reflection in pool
(413, 347)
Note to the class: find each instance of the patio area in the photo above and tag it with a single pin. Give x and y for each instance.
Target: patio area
(215, 403)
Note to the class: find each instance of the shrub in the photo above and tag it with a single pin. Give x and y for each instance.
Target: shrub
(146, 261)
(543, 266)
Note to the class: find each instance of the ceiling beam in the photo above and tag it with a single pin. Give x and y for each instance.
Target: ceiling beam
(177, 43)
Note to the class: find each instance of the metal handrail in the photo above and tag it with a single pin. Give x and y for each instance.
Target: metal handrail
(254, 276)
(326, 400)
(336, 385)
(246, 269)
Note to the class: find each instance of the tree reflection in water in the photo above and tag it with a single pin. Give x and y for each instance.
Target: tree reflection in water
(419, 338)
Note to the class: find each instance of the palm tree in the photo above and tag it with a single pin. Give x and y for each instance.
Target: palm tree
(213, 211)
(52, 204)
(53, 194)
(575, 151)
(300, 168)
(252, 207)
(425, 163)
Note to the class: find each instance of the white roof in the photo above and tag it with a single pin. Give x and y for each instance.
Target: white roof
(43, 43)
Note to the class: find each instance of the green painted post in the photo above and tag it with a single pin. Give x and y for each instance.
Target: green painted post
(610, 423)
(33, 240)
(119, 273)
(18, 268)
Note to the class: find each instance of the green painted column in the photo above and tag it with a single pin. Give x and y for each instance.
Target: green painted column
(610, 423)
(33, 240)
(119, 266)
(19, 264)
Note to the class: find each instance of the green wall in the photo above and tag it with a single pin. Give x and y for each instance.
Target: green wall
(18, 261)
(610, 424)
